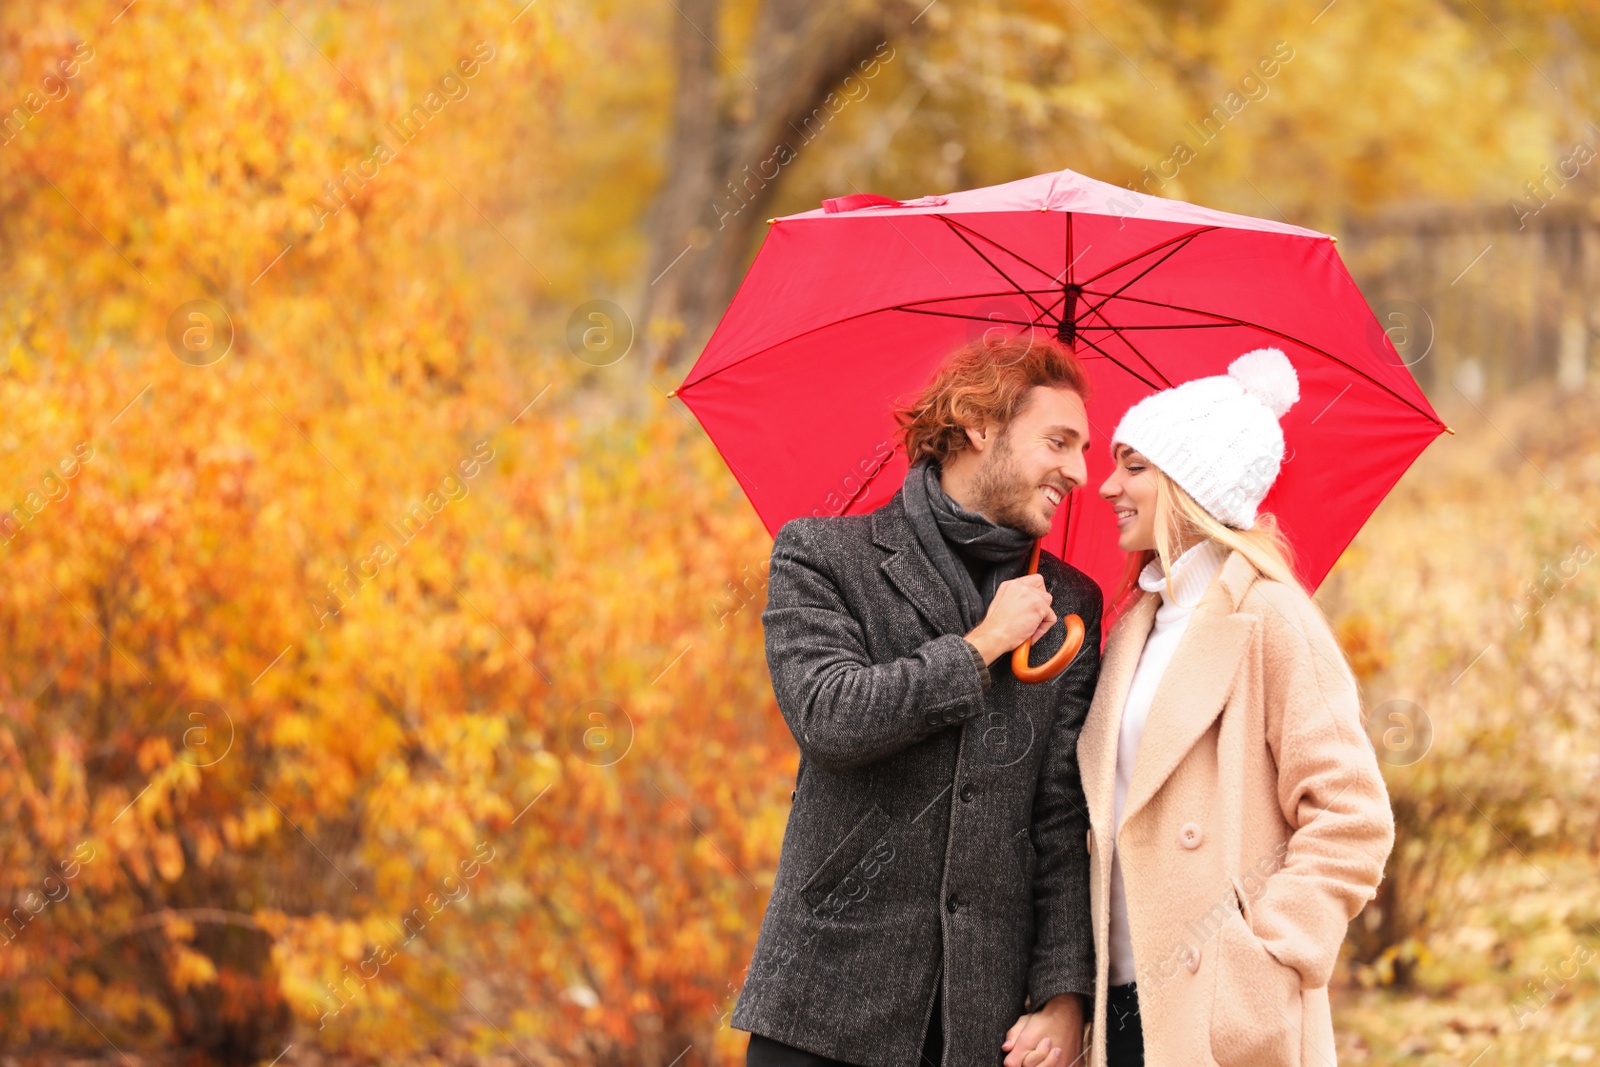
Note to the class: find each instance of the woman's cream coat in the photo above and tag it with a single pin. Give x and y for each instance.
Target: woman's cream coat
(1256, 826)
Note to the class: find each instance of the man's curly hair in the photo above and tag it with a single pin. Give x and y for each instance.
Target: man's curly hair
(982, 382)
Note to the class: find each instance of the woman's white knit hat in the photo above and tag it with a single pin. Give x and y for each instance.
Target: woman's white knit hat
(1219, 437)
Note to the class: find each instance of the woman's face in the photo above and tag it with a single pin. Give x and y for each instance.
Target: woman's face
(1131, 490)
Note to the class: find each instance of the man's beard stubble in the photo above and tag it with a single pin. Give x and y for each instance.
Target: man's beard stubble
(1003, 494)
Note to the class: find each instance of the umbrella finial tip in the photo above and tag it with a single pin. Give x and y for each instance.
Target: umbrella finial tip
(771, 221)
(672, 392)
(1449, 431)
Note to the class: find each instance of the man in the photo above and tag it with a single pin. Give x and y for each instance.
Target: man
(933, 881)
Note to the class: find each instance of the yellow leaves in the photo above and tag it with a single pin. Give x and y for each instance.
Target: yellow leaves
(293, 730)
(546, 771)
(190, 968)
(168, 855)
(1363, 645)
(273, 921)
(138, 865)
(154, 752)
(411, 729)
(351, 940)
(258, 821)
(207, 845)
(178, 929)
(1403, 956)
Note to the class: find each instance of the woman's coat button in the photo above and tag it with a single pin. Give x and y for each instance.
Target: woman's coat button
(1191, 958)
(1189, 836)
(1088, 845)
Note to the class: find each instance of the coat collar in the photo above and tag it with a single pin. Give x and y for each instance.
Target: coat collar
(910, 569)
(1187, 700)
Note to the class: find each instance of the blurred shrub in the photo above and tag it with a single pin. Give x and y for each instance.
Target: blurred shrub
(1472, 595)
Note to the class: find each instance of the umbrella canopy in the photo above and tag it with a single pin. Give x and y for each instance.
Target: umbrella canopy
(849, 309)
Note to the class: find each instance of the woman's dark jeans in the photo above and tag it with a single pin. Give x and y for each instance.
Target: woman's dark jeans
(1124, 1035)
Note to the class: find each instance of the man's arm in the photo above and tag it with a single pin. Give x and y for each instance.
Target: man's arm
(844, 710)
(1063, 945)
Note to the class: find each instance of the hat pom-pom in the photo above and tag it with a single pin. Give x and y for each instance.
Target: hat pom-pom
(1267, 374)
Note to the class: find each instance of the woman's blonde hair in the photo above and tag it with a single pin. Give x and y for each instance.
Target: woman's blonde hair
(1180, 520)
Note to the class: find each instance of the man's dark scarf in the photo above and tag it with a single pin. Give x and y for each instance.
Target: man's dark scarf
(998, 553)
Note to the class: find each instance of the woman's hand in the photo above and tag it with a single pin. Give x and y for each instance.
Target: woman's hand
(1049, 1037)
(1044, 1056)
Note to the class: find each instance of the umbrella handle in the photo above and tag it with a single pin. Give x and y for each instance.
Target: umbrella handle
(1064, 655)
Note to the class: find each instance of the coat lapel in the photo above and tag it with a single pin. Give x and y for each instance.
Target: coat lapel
(910, 569)
(1195, 684)
(1097, 745)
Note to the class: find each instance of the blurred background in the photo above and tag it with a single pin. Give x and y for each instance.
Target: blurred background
(382, 677)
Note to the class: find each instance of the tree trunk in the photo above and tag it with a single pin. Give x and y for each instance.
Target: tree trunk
(733, 134)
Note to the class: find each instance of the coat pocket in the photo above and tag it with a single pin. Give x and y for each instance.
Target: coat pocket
(819, 891)
(1255, 1005)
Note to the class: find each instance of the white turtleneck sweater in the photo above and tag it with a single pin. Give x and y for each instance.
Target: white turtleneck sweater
(1191, 574)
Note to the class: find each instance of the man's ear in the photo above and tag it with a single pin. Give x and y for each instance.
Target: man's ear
(980, 437)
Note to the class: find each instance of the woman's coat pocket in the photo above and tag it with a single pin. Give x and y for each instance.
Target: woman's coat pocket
(1255, 1009)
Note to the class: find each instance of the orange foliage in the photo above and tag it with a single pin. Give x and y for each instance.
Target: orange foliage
(356, 692)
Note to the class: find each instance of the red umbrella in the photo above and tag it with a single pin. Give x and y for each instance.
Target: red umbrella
(849, 308)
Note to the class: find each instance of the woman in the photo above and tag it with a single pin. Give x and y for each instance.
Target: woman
(1238, 820)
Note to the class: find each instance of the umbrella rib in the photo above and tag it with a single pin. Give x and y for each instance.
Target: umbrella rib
(1158, 326)
(919, 306)
(1153, 248)
(972, 296)
(955, 228)
(957, 231)
(1231, 320)
(912, 310)
(898, 307)
(954, 225)
(1153, 387)
(1060, 298)
(1174, 251)
(786, 340)
(954, 315)
(1222, 321)
(1181, 240)
(1068, 254)
(1225, 320)
(1143, 358)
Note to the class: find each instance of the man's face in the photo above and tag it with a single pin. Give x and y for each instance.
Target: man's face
(1029, 470)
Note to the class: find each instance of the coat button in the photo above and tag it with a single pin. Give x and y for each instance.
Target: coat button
(1088, 845)
(792, 793)
(1191, 958)
(953, 904)
(966, 792)
(1190, 835)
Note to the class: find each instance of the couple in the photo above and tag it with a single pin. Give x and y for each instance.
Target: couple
(1167, 843)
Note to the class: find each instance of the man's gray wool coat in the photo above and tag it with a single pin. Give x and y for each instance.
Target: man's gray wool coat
(934, 806)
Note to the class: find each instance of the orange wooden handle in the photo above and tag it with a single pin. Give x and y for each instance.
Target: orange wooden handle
(1064, 655)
